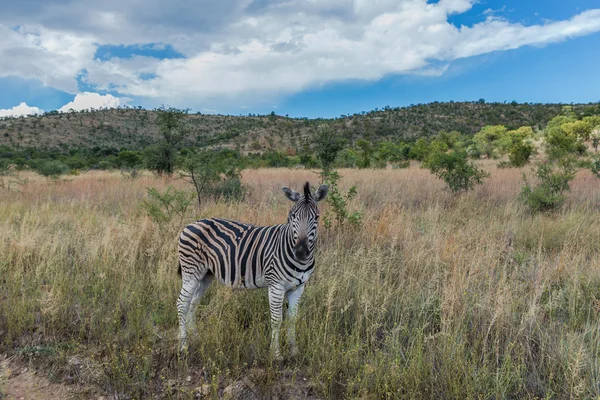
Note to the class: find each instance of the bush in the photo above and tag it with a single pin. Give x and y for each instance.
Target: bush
(519, 154)
(129, 159)
(553, 183)
(401, 164)
(104, 164)
(339, 202)
(455, 169)
(328, 144)
(214, 174)
(51, 169)
(163, 207)
(229, 189)
(157, 158)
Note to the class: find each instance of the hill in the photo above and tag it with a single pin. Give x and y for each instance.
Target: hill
(135, 128)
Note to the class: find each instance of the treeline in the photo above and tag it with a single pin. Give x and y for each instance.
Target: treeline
(136, 128)
(326, 146)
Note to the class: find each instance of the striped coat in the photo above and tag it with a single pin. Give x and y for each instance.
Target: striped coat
(244, 256)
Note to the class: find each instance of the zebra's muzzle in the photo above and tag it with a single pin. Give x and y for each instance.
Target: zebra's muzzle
(301, 249)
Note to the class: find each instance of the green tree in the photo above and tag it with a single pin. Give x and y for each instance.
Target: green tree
(561, 138)
(451, 139)
(128, 158)
(520, 153)
(365, 153)
(328, 144)
(553, 182)
(512, 138)
(580, 129)
(420, 150)
(485, 140)
(347, 158)
(212, 173)
(51, 169)
(454, 168)
(172, 127)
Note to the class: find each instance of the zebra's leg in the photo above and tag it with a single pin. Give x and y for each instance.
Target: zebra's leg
(189, 284)
(293, 298)
(276, 297)
(198, 293)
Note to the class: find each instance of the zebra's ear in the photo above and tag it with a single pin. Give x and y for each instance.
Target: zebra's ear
(290, 194)
(321, 192)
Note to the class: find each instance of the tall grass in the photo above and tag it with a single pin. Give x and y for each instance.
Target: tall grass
(434, 296)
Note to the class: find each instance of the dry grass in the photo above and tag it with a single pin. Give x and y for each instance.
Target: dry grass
(433, 297)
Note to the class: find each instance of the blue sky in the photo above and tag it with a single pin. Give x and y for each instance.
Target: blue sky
(315, 59)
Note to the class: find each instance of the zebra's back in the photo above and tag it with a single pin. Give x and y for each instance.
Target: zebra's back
(237, 254)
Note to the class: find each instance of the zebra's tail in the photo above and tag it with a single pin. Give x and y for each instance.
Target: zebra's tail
(179, 269)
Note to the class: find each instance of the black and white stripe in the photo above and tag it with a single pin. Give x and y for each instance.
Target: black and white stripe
(243, 256)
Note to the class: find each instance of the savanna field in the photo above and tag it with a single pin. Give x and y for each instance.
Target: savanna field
(432, 296)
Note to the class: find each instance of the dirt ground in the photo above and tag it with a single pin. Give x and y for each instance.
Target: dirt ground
(17, 382)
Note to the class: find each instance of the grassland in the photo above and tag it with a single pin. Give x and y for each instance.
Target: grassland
(434, 296)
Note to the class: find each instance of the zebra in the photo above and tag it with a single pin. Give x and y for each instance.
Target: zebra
(243, 256)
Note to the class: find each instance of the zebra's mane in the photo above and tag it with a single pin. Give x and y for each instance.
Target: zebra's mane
(307, 194)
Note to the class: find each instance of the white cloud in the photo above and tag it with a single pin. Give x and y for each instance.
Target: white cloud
(87, 100)
(52, 57)
(248, 52)
(21, 109)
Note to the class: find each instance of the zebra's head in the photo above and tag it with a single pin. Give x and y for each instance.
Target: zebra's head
(303, 218)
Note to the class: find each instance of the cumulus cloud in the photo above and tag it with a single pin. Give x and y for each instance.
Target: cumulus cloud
(87, 100)
(21, 109)
(252, 51)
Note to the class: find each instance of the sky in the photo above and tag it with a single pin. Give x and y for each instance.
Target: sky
(303, 58)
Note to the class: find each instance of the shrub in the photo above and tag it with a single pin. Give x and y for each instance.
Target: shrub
(520, 153)
(455, 169)
(401, 164)
(553, 183)
(214, 174)
(163, 207)
(339, 202)
(328, 144)
(129, 159)
(105, 164)
(51, 169)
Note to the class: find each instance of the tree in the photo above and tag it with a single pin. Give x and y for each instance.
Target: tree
(454, 168)
(513, 138)
(579, 129)
(562, 137)
(171, 125)
(485, 140)
(520, 153)
(128, 158)
(420, 150)
(365, 153)
(207, 169)
(553, 181)
(328, 144)
(51, 169)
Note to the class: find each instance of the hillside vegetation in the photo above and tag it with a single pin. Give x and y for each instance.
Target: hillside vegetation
(135, 129)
